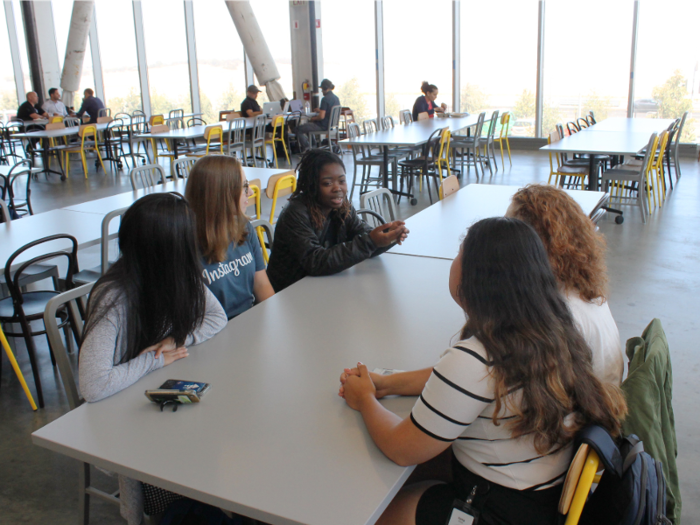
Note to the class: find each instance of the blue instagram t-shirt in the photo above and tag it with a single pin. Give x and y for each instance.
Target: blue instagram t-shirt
(231, 280)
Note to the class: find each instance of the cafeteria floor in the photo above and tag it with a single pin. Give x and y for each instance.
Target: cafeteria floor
(654, 272)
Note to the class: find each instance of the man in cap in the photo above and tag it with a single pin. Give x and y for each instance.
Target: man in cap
(250, 106)
(320, 121)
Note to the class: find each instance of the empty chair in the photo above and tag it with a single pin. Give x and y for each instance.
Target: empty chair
(362, 156)
(285, 185)
(104, 112)
(89, 141)
(214, 137)
(18, 189)
(503, 137)
(422, 166)
(380, 201)
(181, 167)
(673, 154)
(277, 137)
(471, 147)
(490, 139)
(235, 145)
(147, 176)
(258, 143)
(405, 116)
(449, 186)
(91, 275)
(562, 169)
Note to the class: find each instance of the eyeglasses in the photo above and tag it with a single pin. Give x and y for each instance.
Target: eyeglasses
(246, 186)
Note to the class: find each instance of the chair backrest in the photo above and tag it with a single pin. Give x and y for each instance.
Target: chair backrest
(387, 122)
(505, 124)
(5, 215)
(214, 132)
(334, 121)
(71, 122)
(492, 125)
(236, 135)
(423, 115)
(123, 116)
(677, 138)
(176, 113)
(577, 484)
(104, 112)
(354, 132)
(56, 118)
(649, 153)
(663, 145)
(156, 120)
(371, 217)
(147, 176)
(380, 201)
(405, 116)
(370, 126)
(104, 242)
(19, 190)
(449, 186)
(479, 128)
(278, 125)
(259, 130)
(255, 199)
(137, 113)
(175, 123)
(183, 166)
(104, 120)
(283, 186)
(260, 226)
(70, 300)
(591, 117)
(572, 127)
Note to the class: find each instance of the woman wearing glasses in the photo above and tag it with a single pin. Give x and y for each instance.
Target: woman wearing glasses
(234, 269)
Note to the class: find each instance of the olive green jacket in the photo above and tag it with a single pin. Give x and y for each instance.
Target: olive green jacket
(648, 389)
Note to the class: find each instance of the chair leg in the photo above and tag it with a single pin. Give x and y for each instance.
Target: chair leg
(83, 496)
(31, 350)
(508, 144)
(354, 178)
(85, 169)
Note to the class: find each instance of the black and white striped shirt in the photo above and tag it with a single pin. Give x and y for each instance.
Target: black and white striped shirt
(457, 404)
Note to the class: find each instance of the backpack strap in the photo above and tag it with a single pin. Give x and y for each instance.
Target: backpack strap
(604, 445)
(637, 448)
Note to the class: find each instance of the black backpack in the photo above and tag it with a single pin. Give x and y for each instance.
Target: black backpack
(632, 490)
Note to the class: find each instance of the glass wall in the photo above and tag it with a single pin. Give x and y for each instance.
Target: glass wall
(349, 55)
(417, 47)
(8, 88)
(220, 59)
(120, 71)
(23, 57)
(62, 11)
(499, 60)
(587, 59)
(668, 76)
(166, 54)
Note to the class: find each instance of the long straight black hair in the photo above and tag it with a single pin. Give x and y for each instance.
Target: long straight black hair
(158, 276)
(514, 307)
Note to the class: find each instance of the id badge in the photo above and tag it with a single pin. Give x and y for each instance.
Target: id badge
(463, 514)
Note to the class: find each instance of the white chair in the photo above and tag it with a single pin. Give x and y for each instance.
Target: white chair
(380, 201)
(147, 176)
(93, 274)
(183, 166)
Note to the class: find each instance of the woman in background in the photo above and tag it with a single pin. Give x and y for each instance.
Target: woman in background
(426, 102)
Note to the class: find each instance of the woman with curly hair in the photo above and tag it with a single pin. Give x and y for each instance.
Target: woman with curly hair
(319, 231)
(577, 255)
(508, 398)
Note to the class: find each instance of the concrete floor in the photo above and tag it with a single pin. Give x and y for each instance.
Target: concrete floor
(653, 273)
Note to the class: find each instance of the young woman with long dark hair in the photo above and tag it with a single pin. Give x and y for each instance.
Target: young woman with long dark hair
(151, 304)
(508, 398)
(426, 102)
(577, 255)
(233, 264)
(319, 231)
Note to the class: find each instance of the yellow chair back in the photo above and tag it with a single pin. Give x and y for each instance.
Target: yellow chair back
(212, 132)
(284, 186)
(156, 120)
(577, 485)
(255, 188)
(56, 118)
(443, 160)
(448, 186)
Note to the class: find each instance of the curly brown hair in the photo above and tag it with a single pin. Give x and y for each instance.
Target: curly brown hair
(576, 250)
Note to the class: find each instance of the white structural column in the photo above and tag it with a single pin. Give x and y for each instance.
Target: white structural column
(14, 49)
(141, 56)
(192, 56)
(96, 59)
(46, 36)
(80, 22)
(633, 60)
(379, 57)
(539, 99)
(249, 72)
(456, 48)
(255, 47)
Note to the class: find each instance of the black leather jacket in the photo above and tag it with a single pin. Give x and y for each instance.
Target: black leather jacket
(298, 248)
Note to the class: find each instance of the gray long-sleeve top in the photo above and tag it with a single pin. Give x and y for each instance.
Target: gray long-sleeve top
(100, 371)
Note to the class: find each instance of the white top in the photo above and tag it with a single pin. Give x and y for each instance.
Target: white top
(596, 324)
(55, 108)
(457, 404)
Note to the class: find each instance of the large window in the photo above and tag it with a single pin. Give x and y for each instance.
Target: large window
(24, 60)
(668, 75)
(166, 54)
(499, 60)
(8, 88)
(220, 59)
(62, 12)
(587, 59)
(120, 72)
(349, 54)
(417, 47)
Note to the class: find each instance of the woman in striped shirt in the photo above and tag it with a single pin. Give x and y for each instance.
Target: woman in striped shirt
(508, 398)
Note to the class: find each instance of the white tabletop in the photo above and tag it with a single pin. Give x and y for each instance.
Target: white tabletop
(602, 142)
(632, 125)
(412, 134)
(17, 233)
(438, 230)
(122, 200)
(272, 440)
(54, 133)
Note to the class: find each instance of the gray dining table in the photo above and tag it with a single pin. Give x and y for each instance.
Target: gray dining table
(272, 440)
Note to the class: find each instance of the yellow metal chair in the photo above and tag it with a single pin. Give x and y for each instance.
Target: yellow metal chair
(156, 120)
(562, 170)
(262, 228)
(255, 188)
(214, 135)
(165, 149)
(658, 168)
(443, 160)
(273, 138)
(88, 142)
(55, 119)
(448, 186)
(283, 186)
(503, 137)
(15, 367)
(577, 486)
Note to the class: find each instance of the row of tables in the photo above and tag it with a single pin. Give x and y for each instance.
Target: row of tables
(272, 440)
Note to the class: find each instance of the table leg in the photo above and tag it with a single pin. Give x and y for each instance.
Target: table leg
(385, 175)
(45, 144)
(592, 173)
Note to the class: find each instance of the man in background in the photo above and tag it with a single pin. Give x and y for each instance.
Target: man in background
(29, 111)
(250, 106)
(320, 121)
(54, 106)
(91, 105)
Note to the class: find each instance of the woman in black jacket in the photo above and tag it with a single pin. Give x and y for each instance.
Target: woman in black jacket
(319, 231)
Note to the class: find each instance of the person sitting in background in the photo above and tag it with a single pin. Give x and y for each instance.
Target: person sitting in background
(320, 121)
(29, 110)
(234, 269)
(319, 231)
(54, 106)
(426, 102)
(577, 255)
(146, 309)
(91, 105)
(508, 398)
(250, 106)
